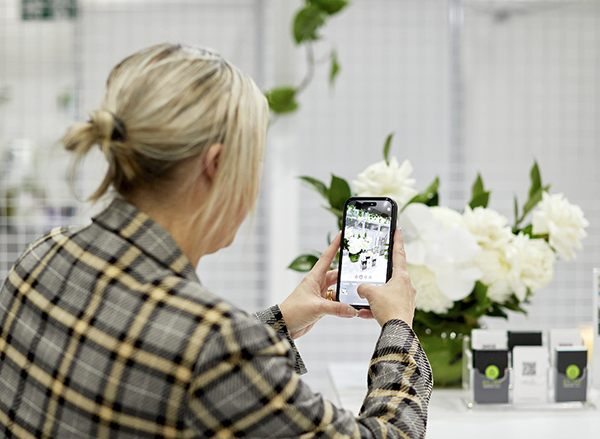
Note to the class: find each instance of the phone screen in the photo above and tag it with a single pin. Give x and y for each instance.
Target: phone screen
(366, 248)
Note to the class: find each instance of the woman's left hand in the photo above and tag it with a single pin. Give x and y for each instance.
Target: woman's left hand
(307, 303)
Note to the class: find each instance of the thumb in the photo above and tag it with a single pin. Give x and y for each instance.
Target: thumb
(339, 309)
(364, 290)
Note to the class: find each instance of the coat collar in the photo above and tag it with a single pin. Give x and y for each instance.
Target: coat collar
(143, 232)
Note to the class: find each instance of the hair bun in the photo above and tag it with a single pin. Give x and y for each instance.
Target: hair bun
(109, 127)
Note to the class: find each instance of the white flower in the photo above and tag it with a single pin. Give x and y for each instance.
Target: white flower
(532, 265)
(495, 269)
(518, 266)
(451, 259)
(562, 221)
(429, 296)
(381, 180)
(355, 245)
(489, 227)
(447, 253)
(420, 231)
(449, 217)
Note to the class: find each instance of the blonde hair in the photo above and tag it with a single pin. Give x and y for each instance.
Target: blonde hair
(166, 104)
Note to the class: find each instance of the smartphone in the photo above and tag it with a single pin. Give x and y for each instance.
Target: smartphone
(367, 246)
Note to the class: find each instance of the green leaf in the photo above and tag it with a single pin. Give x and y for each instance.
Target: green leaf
(480, 200)
(528, 230)
(480, 291)
(496, 311)
(536, 180)
(315, 184)
(330, 6)
(308, 20)
(335, 68)
(303, 263)
(429, 196)
(477, 186)
(282, 99)
(386, 148)
(339, 192)
(479, 197)
(482, 302)
(513, 304)
(531, 203)
(516, 211)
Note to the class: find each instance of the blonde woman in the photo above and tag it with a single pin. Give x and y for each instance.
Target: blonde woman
(105, 330)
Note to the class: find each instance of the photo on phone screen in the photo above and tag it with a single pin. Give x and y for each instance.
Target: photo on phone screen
(366, 247)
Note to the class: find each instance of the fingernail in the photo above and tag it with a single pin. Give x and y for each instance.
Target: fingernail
(352, 312)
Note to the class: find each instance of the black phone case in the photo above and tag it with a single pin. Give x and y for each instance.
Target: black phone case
(390, 262)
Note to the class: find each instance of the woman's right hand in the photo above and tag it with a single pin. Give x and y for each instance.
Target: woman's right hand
(395, 299)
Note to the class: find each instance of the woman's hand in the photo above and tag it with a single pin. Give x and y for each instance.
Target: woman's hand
(307, 304)
(395, 299)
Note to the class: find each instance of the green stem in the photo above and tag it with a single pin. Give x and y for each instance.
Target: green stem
(310, 72)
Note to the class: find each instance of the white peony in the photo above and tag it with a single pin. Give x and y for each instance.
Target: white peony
(355, 245)
(429, 296)
(532, 263)
(562, 222)
(518, 266)
(447, 253)
(495, 269)
(489, 227)
(381, 180)
(449, 217)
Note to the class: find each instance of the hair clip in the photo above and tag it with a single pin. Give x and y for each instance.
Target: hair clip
(119, 133)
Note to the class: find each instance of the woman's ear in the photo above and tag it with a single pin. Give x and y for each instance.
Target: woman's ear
(211, 160)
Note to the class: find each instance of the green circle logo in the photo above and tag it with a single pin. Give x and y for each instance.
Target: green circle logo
(492, 372)
(572, 371)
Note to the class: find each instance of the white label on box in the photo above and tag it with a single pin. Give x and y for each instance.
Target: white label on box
(488, 339)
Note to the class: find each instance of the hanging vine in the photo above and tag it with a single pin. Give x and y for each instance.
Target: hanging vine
(308, 20)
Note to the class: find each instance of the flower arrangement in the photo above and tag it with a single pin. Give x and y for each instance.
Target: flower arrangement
(356, 245)
(469, 264)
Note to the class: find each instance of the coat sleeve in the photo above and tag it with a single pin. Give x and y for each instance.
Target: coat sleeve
(244, 384)
(274, 318)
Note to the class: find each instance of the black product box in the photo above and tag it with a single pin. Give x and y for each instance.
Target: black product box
(571, 374)
(490, 376)
(518, 338)
(524, 339)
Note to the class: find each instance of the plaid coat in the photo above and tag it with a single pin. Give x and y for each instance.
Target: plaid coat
(105, 331)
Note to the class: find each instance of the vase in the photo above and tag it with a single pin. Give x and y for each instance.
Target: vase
(445, 353)
(354, 257)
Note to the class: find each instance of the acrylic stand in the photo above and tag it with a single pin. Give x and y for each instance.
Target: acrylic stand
(469, 401)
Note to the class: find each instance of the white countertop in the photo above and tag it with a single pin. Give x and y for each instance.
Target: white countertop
(450, 418)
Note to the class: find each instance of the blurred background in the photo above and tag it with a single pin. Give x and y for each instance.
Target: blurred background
(467, 86)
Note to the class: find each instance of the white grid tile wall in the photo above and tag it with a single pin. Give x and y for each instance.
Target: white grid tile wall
(41, 59)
